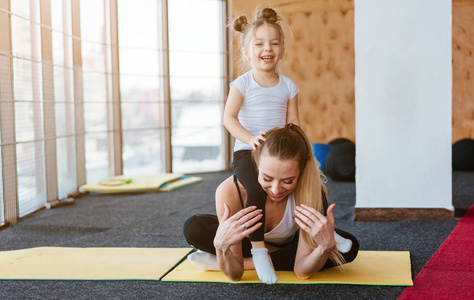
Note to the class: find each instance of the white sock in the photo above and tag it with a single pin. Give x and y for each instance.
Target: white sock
(263, 266)
(204, 261)
(343, 245)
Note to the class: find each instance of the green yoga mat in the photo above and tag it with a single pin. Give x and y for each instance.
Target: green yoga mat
(63, 263)
(369, 268)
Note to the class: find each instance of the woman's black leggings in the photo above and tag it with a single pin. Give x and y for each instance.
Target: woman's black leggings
(200, 230)
(247, 174)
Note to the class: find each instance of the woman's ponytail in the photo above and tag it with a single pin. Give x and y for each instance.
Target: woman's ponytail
(290, 142)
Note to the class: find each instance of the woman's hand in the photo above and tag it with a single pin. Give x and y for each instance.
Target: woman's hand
(319, 227)
(233, 229)
(257, 140)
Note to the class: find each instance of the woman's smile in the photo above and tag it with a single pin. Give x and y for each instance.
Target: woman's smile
(278, 196)
(277, 177)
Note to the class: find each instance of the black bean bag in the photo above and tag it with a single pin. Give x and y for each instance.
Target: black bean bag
(463, 155)
(340, 161)
(339, 141)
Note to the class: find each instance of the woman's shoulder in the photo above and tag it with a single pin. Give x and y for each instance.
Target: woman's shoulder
(227, 193)
(226, 187)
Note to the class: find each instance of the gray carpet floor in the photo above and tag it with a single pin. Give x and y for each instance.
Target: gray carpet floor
(155, 220)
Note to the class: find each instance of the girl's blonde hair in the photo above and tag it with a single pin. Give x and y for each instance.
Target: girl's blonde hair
(290, 142)
(248, 30)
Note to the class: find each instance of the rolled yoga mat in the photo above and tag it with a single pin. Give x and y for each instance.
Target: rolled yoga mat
(139, 183)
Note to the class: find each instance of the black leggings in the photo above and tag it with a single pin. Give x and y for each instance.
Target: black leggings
(246, 172)
(200, 230)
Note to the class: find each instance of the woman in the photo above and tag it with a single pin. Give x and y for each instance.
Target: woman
(299, 225)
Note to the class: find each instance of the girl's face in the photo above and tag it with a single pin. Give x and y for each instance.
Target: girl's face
(277, 177)
(264, 51)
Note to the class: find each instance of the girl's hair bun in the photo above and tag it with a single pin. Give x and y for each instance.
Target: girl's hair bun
(240, 23)
(268, 14)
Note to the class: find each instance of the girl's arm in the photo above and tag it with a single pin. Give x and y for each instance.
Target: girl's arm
(292, 115)
(309, 261)
(229, 235)
(231, 119)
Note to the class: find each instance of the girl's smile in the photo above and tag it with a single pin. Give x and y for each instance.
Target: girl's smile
(264, 51)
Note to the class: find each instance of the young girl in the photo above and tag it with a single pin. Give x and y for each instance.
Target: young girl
(259, 100)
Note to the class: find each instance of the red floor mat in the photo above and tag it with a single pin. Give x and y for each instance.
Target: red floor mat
(449, 274)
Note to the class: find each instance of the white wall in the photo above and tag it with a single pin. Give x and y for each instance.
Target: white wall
(403, 103)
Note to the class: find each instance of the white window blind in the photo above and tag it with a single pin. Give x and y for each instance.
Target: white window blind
(27, 89)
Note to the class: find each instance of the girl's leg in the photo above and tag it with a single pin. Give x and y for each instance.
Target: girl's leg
(247, 174)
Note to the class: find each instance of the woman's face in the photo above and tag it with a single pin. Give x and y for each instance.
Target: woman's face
(277, 177)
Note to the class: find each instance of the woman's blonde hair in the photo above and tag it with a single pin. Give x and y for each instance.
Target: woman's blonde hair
(290, 142)
(248, 30)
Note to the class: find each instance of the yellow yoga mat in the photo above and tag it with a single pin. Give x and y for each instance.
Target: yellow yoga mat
(139, 183)
(369, 268)
(58, 263)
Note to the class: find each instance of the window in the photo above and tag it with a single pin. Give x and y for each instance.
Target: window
(141, 90)
(73, 112)
(28, 98)
(2, 210)
(64, 96)
(197, 80)
(95, 79)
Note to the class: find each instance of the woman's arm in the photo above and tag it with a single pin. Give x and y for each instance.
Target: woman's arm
(231, 120)
(232, 229)
(309, 261)
(292, 115)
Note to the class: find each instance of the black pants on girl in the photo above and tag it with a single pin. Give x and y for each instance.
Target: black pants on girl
(246, 172)
(200, 231)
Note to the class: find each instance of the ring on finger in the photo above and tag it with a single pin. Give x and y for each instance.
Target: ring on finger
(243, 226)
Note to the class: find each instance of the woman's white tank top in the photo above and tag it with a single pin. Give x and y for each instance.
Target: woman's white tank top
(286, 229)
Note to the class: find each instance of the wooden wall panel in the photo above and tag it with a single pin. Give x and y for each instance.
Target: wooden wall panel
(320, 59)
(321, 62)
(463, 69)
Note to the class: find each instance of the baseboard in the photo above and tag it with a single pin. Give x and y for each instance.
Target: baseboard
(460, 212)
(5, 226)
(400, 214)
